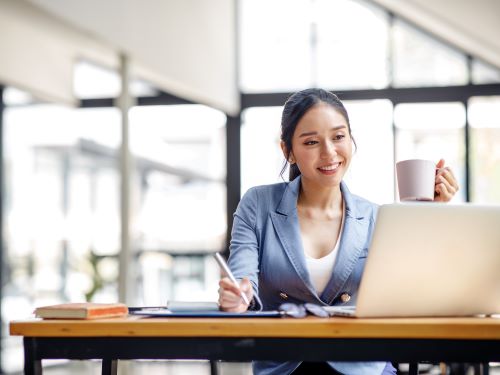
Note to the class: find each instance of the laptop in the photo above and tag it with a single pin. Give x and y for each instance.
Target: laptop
(431, 259)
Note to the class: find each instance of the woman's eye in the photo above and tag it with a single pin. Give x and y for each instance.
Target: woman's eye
(339, 137)
(308, 143)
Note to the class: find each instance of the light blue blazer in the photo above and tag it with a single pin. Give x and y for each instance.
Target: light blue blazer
(266, 247)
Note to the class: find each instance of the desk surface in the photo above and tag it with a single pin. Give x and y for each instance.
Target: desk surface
(311, 327)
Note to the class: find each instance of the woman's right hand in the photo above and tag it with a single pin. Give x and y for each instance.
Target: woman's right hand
(229, 295)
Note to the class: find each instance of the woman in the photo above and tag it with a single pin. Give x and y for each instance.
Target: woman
(306, 240)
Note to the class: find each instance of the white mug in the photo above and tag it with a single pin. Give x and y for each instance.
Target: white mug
(416, 179)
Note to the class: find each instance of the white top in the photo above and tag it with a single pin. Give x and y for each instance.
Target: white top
(320, 270)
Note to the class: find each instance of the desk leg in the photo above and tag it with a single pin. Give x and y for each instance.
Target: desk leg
(213, 367)
(413, 368)
(109, 367)
(484, 368)
(32, 365)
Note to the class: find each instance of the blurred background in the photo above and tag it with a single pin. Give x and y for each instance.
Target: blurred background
(130, 129)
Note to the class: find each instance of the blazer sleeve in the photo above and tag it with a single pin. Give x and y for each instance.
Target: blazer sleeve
(244, 246)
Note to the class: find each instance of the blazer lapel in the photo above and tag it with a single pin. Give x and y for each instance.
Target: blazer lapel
(350, 247)
(286, 223)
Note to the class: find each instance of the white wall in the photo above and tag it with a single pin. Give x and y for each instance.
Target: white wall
(185, 47)
(37, 51)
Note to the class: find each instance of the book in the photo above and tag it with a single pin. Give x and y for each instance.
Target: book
(85, 310)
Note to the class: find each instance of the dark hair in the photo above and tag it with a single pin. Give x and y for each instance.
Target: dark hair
(295, 108)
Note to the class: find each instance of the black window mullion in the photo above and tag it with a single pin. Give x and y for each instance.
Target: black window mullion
(2, 195)
(233, 171)
(467, 156)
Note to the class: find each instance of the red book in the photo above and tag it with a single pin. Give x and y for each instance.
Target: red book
(86, 310)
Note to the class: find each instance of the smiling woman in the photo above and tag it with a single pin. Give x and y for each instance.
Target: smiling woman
(304, 241)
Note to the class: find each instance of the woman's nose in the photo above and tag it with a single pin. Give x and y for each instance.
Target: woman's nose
(328, 150)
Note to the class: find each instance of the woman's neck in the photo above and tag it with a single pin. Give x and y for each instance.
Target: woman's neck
(316, 201)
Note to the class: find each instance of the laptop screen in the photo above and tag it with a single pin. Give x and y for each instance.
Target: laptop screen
(432, 259)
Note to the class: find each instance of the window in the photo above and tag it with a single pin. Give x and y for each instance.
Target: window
(351, 45)
(61, 210)
(433, 131)
(484, 119)
(420, 60)
(179, 155)
(290, 45)
(275, 50)
(14, 97)
(371, 174)
(92, 81)
(261, 156)
(484, 73)
(371, 177)
(179, 152)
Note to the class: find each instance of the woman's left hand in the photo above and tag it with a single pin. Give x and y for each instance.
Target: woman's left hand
(446, 184)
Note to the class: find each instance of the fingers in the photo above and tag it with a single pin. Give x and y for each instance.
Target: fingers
(226, 284)
(246, 287)
(228, 301)
(230, 295)
(443, 193)
(440, 164)
(446, 184)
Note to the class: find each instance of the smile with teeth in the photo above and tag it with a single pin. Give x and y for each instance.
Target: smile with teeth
(330, 167)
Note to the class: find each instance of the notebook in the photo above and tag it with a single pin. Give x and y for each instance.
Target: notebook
(186, 309)
(431, 259)
(163, 312)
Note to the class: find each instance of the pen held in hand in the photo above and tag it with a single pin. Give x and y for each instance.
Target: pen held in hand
(223, 265)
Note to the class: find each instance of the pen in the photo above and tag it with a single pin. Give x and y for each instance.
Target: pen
(227, 271)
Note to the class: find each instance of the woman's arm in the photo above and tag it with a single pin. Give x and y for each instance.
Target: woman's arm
(244, 257)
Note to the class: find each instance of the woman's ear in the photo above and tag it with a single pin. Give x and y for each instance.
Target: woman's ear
(288, 157)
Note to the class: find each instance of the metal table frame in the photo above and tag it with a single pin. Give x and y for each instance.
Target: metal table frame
(112, 349)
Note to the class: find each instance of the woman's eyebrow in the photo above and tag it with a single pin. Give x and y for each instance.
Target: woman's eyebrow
(306, 134)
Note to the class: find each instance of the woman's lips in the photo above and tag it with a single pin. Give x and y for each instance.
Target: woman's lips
(330, 168)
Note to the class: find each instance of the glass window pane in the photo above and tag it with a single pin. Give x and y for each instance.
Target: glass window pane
(61, 209)
(484, 119)
(275, 51)
(13, 97)
(346, 57)
(92, 81)
(371, 174)
(484, 73)
(433, 131)
(260, 130)
(420, 60)
(180, 159)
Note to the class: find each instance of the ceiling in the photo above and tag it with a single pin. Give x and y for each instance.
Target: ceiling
(183, 47)
(471, 25)
(186, 48)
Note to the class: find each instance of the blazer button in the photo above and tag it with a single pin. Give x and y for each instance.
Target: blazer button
(283, 295)
(345, 297)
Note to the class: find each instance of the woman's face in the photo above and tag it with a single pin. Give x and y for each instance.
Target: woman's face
(322, 146)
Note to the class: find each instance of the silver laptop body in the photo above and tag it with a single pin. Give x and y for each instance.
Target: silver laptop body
(431, 259)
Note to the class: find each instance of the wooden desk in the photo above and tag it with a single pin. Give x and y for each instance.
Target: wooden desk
(313, 339)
